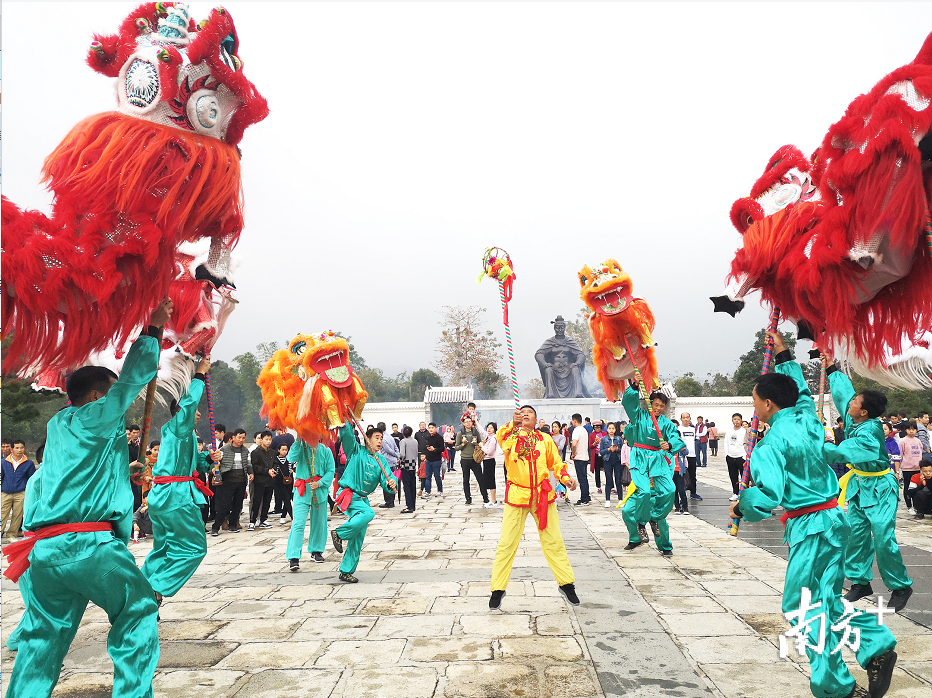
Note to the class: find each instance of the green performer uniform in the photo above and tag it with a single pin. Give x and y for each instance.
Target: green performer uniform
(648, 462)
(872, 499)
(179, 541)
(312, 464)
(789, 470)
(33, 492)
(86, 482)
(365, 471)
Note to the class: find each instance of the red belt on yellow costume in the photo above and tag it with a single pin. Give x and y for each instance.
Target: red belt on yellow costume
(543, 500)
(301, 485)
(167, 479)
(17, 554)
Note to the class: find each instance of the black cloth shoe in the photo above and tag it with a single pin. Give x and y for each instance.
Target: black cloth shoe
(495, 601)
(317, 557)
(899, 598)
(666, 553)
(386, 506)
(859, 591)
(642, 532)
(348, 578)
(235, 530)
(879, 673)
(858, 692)
(337, 543)
(655, 527)
(632, 546)
(215, 533)
(407, 511)
(469, 501)
(294, 564)
(569, 593)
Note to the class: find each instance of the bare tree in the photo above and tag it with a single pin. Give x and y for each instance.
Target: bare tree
(534, 388)
(578, 331)
(465, 350)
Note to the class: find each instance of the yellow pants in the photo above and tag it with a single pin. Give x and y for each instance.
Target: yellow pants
(551, 542)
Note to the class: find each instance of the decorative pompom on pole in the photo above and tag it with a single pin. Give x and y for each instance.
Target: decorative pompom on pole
(497, 264)
(746, 475)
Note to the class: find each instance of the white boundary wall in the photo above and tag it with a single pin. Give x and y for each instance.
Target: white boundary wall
(712, 409)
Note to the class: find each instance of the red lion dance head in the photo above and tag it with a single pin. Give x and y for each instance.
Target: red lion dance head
(841, 242)
(140, 193)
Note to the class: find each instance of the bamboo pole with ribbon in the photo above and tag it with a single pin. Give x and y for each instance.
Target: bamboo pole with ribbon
(497, 264)
(755, 421)
(642, 389)
(210, 413)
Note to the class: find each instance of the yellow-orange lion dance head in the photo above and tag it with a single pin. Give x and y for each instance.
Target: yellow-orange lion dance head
(310, 386)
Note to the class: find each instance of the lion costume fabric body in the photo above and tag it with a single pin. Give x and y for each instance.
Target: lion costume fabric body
(310, 387)
(616, 314)
(132, 187)
(838, 242)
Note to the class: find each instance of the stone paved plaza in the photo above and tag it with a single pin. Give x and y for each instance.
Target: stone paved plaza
(703, 623)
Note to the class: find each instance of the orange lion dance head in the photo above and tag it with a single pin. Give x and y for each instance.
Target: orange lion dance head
(310, 386)
(621, 327)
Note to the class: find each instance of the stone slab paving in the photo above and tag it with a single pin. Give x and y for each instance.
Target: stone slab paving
(704, 623)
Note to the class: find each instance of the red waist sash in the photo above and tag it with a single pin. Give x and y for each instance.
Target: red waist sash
(543, 491)
(343, 499)
(652, 448)
(301, 485)
(166, 479)
(17, 554)
(795, 513)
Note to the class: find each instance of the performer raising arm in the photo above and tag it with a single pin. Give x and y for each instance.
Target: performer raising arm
(76, 550)
(365, 470)
(530, 457)
(177, 496)
(871, 491)
(789, 470)
(651, 470)
(314, 468)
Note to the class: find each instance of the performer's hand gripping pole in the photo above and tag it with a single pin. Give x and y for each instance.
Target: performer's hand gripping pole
(755, 421)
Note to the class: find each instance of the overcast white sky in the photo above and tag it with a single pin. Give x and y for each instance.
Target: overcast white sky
(406, 138)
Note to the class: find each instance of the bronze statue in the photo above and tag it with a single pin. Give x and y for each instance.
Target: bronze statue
(561, 363)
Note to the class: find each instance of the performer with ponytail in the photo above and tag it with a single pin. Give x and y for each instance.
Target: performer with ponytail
(78, 530)
(177, 496)
(789, 470)
(871, 491)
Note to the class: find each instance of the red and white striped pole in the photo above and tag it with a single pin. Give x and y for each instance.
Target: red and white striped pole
(511, 350)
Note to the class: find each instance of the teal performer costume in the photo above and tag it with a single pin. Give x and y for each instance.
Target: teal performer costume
(871, 491)
(789, 470)
(651, 473)
(179, 540)
(79, 528)
(365, 471)
(314, 469)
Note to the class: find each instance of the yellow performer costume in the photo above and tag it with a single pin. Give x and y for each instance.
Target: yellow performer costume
(530, 457)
